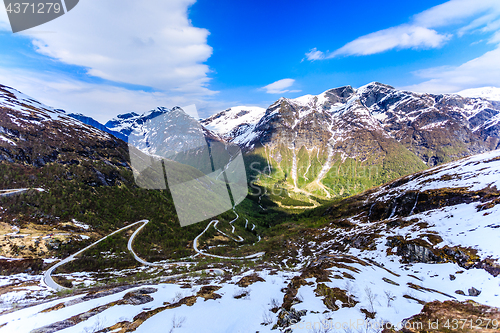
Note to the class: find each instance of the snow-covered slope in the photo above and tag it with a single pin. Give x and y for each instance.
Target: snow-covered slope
(429, 236)
(469, 215)
(235, 123)
(129, 122)
(26, 111)
(151, 127)
(490, 93)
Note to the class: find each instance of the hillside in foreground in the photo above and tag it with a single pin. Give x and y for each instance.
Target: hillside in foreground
(421, 247)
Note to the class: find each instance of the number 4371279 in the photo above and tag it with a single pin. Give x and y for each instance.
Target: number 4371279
(39, 8)
(477, 324)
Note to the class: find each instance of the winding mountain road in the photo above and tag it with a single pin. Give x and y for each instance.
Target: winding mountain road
(47, 276)
(240, 239)
(48, 281)
(129, 246)
(8, 193)
(147, 263)
(195, 243)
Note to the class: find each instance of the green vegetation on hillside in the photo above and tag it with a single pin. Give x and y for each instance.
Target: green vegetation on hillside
(273, 170)
(105, 208)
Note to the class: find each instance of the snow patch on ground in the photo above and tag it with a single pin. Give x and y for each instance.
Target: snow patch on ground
(80, 224)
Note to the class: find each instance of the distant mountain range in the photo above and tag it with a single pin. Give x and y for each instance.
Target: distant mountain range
(344, 140)
(94, 123)
(371, 255)
(347, 139)
(375, 107)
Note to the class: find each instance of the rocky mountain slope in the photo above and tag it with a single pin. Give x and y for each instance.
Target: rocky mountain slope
(83, 175)
(373, 105)
(33, 134)
(346, 139)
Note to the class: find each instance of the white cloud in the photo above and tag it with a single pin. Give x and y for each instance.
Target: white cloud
(421, 31)
(401, 37)
(479, 72)
(280, 86)
(152, 44)
(101, 102)
(455, 11)
(496, 38)
(314, 54)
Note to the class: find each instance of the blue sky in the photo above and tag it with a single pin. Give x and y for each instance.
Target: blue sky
(106, 58)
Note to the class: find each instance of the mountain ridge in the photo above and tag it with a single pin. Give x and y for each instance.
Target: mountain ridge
(368, 126)
(306, 142)
(92, 122)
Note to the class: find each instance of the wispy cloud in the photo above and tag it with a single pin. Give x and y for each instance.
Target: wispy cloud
(314, 54)
(401, 37)
(479, 72)
(421, 31)
(280, 86)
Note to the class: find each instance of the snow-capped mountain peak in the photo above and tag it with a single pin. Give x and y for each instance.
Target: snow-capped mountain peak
(394, 126)
(230, 122)
(128, 122)
(489, 93)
